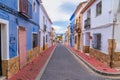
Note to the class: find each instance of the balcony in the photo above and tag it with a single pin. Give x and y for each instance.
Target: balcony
(25, 8)
(87, 23)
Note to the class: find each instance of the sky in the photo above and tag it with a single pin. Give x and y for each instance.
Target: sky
(60, 12)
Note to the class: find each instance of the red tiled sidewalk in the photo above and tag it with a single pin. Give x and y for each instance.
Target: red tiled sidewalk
(95, 64)
(31, 71)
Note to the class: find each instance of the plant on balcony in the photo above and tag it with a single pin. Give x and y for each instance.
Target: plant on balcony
(78, 30)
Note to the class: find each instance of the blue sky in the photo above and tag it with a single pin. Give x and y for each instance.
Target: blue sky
(60, 11)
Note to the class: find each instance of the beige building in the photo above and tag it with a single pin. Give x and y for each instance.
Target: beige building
(67, 36)
(78, 26)
(53, 36)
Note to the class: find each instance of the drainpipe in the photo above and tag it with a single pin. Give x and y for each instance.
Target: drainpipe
(113, 30)
(112, 50)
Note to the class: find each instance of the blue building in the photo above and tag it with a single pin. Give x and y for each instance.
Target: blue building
(72, 24)
(19, 34)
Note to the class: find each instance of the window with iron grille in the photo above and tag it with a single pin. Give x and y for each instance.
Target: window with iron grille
(99, 8)
(89, 13)
(46, 38)
(96, 41)
(34, 6)
(35, 40)
(25, 8)
(45, 27)
(119, 7)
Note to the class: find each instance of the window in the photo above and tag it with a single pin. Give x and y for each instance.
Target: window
(96, 41)
(45, 28)
(25, 8)
(46, 38)
(34, 7)
(119, 7)
(99, 8)
(75, 39)
(34, 40)
(43, 19)
(88, 13)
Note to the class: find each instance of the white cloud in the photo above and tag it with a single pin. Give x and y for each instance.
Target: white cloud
(52, 7)
(59, 29)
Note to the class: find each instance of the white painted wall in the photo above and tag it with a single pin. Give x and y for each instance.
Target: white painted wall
(117, 26)
(105, 18)
(106, 33)
(101, 23)
(117, 36)
(41, 23)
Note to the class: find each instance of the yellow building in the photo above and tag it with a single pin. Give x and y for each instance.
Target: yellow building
(53, 36)
(68, 35)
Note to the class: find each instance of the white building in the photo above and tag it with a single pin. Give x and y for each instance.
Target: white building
(101, 30)
(45, 29)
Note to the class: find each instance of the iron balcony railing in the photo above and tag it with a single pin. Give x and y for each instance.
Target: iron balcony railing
(25, 8)
(87, 23)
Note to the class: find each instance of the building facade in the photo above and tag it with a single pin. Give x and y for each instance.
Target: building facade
(78, 26)
(100, 30)
(72, 25)
(45, 29)
(53, 36)
(68, 35)
(19, 34)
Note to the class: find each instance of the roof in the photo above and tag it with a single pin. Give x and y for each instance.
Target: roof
(89, 3)
(79, 6)
(76, 10)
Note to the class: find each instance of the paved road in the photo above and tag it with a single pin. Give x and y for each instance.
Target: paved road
(64, 66)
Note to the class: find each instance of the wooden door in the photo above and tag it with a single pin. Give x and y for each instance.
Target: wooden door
(43, 43)
(22, 46)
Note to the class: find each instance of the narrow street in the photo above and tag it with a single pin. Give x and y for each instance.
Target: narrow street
(64, 66)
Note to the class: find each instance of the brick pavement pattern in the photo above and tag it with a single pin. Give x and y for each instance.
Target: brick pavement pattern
(95, 63)
(31, 71)
(64, 66)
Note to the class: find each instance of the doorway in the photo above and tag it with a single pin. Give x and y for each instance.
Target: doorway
(87, 42)
(0, 53)
(78, 45)
(22, 46)
(43, 43)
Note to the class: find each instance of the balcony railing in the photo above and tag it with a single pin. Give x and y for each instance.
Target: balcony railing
(25, 8)
(87, 23)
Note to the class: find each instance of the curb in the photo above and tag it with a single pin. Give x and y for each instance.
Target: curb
(46, 63)
(93, 68)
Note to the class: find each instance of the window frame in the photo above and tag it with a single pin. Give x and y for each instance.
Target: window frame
(99, 8)
(36, 43)
(34, 6)
(95, 41)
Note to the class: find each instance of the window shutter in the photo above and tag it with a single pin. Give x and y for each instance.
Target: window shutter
(98, 41)
(25, 8)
